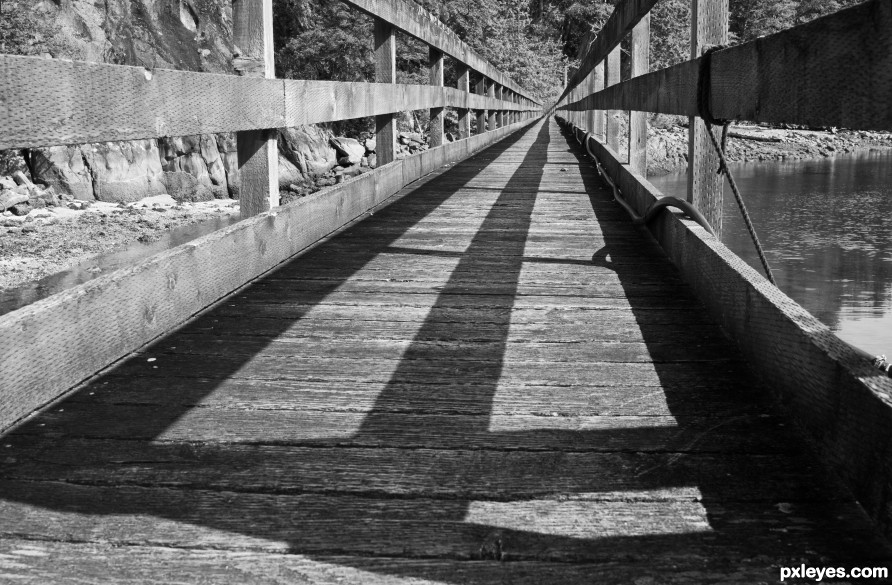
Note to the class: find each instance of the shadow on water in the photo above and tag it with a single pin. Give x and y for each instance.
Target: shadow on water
(415, 479)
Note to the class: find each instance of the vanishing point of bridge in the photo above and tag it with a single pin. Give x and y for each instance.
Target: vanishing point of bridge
(475, 370)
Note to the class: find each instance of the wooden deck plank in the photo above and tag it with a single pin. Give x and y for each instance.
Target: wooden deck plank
(709, 402)
(498, 367)
(39, 562)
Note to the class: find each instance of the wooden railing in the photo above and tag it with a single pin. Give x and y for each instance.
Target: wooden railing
(50, 346)
(833, 71)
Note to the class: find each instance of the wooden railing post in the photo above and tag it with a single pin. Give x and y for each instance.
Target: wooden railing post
(385, 72)
(709, 26)
(258, 153)
(640, 56)
(491, 92)
(482, 89)
(435, 66)
(464, 114)
(599, 122)
(612, 75)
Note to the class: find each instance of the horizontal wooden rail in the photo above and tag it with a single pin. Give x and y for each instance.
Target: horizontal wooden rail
(45, 102)
(833, 393)
(833, 71)
(50, 346)
(414, 20)
(625, 16)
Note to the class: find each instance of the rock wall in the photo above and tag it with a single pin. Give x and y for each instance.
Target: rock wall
(193, 35)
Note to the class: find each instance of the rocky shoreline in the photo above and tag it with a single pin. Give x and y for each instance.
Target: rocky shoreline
(667, 145)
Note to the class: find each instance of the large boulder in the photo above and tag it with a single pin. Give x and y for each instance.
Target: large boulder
(349, 148)
(307, 148)
(64, 168)
(124, 171)
(228, 149)
(198, 156)
(109, 171)
(185, 187)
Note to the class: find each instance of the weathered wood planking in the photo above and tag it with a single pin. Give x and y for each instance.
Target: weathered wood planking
(709, 27)
(51, 345)
(385, 73)
(437, 115)
(302, 417)
(640, 64)
(38, 563)
(834, 393)
(421, 24)
(258, 153)
(87, 102)
(613, 74)
(803, 75)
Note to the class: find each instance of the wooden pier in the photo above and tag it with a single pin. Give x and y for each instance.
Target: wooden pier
(495, 379)
(466, 366)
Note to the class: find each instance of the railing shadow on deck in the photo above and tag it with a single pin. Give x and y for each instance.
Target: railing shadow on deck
(321, 502)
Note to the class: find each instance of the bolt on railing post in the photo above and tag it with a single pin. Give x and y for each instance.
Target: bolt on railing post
(258, 153)
(464, 114)
(385, 72)
(482, 90)
(437, 115)
(640, 57)
(709, 26)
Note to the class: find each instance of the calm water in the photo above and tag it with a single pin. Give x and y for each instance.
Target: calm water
(826, 227)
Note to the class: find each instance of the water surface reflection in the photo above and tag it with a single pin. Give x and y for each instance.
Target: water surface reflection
(826, 226)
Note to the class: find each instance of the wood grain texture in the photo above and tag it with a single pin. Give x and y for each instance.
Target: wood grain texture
(437, 115)
(76, 333)
(612, 75)
(803, 75)
(91, 103)
(709, 27)
(421, 24)
(464, 114)
(258, 152)
(385, 72)
(310, 102)
(830, 389)
(442, 384)
(492, 91)
(481, 91)
(640, 64)
(134, 103)
(258, 165)
(37, 563)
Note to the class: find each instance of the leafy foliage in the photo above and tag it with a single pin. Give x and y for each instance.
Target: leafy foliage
(530, 40)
